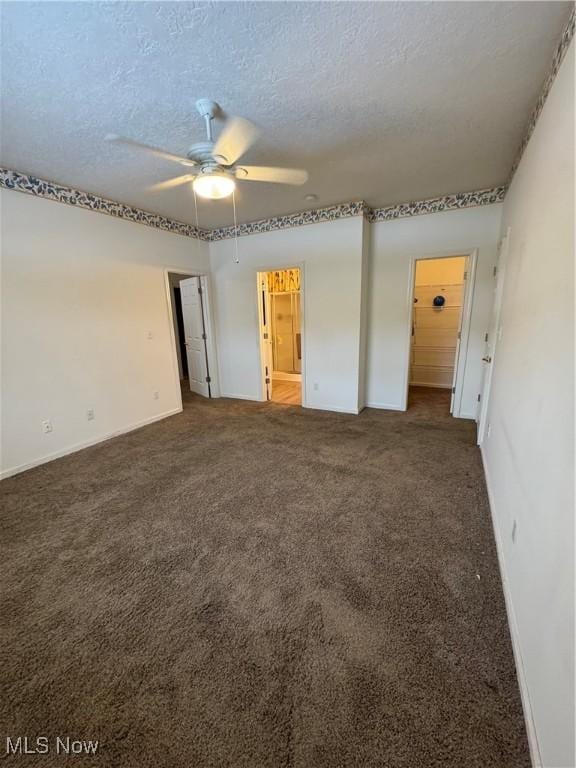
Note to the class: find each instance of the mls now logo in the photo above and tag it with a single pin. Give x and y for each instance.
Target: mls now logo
(25, 746)
(42, 745)
(68, 746)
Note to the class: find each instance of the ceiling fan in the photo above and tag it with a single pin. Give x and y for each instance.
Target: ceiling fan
(212, 165)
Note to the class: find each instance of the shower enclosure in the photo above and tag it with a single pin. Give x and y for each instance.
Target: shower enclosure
(286, 337)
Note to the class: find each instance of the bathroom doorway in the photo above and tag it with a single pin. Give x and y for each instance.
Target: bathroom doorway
(279, 293)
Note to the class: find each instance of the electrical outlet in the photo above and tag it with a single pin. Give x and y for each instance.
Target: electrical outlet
(47, 426)
(514, 531)
(90, 414)
(316, 386)
(156, 395)
(150, 335)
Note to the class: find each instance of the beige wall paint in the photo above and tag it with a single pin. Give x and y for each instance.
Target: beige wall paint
(529, 454)
(81, 294)
(394, 247)
(330, 256)
(83, 291)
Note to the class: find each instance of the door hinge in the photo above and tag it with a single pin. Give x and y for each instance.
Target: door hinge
(495, 271)
(466, 275)
(265, 336)
(453, 390)
(486, 337)
(208, 379)
(267, 380)
(459, 335)
(479, 397)
(200, 290)
(204, 336)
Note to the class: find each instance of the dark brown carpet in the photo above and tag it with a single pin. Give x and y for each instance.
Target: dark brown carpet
(258, 586)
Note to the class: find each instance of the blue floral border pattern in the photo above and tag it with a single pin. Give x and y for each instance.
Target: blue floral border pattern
(52, 191)
(563, 45)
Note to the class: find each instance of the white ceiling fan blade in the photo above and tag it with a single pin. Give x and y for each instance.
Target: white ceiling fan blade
(151, 150)
(169, 183)
(274, 175)
(237, 136)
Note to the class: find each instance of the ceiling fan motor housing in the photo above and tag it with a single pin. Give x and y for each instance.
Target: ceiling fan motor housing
(202, 153)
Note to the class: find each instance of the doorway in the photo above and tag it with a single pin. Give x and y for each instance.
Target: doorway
(188, 304)
(438, 311)
(279, 306)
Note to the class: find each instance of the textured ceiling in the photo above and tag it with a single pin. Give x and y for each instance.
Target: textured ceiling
(384, 102)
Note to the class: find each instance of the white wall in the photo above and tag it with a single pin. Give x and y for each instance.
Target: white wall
(529, 455)
(80, 293)
(366, 243)
(330, 255)
(395, 244)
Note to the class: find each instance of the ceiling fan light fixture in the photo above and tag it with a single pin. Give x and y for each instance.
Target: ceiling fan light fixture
(214, 186)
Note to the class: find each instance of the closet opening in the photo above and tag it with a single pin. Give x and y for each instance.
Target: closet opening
(280, 315)
(440, 306)
(194, 352)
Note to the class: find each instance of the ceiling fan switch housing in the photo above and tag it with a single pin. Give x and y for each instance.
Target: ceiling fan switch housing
(207, 108)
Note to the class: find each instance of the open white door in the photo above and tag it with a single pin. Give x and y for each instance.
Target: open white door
(459, 337)
(265, 333)
(194, 331)
(492, 337)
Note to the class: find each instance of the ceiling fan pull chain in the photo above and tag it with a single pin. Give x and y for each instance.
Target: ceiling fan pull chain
(236, 257)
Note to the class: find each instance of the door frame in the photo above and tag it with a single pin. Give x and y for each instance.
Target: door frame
(466, 314)
(209, 324)
(261, 358)
(491, 345)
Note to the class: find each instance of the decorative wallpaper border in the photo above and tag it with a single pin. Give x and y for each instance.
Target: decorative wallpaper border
(32, 185)
(563, 45)
(346, 210)
(438, 204)
(62, 194)
(315, 216)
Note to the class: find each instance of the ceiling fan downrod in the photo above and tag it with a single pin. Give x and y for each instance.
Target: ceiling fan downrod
(208, 110)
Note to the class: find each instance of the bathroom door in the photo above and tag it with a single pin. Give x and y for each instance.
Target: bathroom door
(266, 334)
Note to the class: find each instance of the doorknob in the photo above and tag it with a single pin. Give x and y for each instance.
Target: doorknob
(487, 359)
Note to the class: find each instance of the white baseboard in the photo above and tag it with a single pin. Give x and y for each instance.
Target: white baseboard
(241, 397)
(386, 406)
(461, 415)
(514, 633)
(86, 444)
(333, 408)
